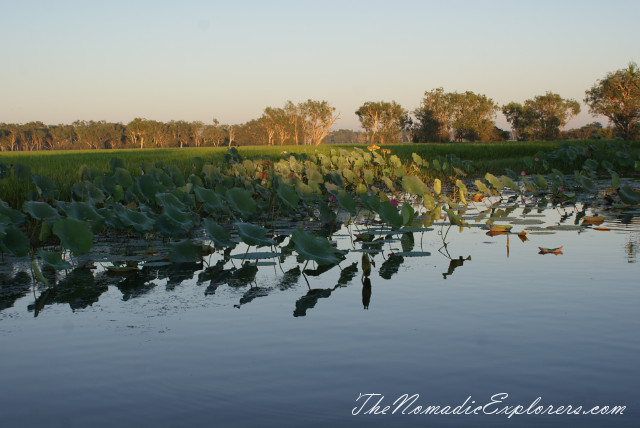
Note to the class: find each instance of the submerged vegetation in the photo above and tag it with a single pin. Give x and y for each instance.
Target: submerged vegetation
(231, 204)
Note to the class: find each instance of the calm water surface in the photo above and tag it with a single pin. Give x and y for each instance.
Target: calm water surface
(168, 347)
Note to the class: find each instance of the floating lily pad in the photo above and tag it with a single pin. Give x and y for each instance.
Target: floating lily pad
(256, 255)
(412, 254)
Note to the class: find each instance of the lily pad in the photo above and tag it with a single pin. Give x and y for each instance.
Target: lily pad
(256, 256)
(318, 249)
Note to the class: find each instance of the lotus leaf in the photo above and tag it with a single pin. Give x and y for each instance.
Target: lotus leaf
(389, 214)
(541, 182)
(494, 181)
(318, 249)
(116, 163)
(85, 211)
(482, 187)
(169, 199)
(218, 234)
(346, 202)
(509, 182)
(47, 189)
(40, 211)
(372, 202)
(413, 185)
(139, 221)
(54, 259)
(123, 178)
(256, 255)
(252, 234)
(184, 251)
(16, 217)
(147, 186)
(74, 235)
(288, 195)
(241, 202)
(628, 195)
(407, 214)
(22, 172)
(14, 242)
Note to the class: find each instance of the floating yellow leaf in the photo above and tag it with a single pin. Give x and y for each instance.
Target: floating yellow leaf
(554, 251)
(505, 228)
(478, 197)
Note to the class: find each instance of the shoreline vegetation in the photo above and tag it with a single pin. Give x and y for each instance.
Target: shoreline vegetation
(52, 209)
(441, 117)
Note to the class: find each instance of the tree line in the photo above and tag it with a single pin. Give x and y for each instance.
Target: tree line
(441, 117)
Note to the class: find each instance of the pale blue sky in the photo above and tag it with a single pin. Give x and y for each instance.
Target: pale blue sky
(195, 60)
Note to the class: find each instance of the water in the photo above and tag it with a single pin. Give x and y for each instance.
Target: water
(168, 348)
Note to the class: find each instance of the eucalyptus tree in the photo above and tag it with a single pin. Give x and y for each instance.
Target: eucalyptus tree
(9, 136)
(435, 116)
(317, 119)
(617, 97)
(213, 134)
(465, 116)
(294, 117)
(521, 120)
(268, 122)
(196, 129)
(383, 119)
(159, 133)
(138, 130)
(99, 134)
(180, 132)
(541, 117)
(62, 136)
(474, 116)
(551, 112)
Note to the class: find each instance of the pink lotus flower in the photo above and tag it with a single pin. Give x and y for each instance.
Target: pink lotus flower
(333, 198)
(523, 173)
(560, 189)
(394, 202)
(537, 159)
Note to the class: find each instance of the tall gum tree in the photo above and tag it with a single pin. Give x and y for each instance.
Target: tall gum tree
(383, 119)
(617, 97)
(318, 117)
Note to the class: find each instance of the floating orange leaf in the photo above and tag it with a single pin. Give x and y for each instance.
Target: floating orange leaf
(477, 197)
(554, 251)
(604, 229)
(523, 236)
(596, 221)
